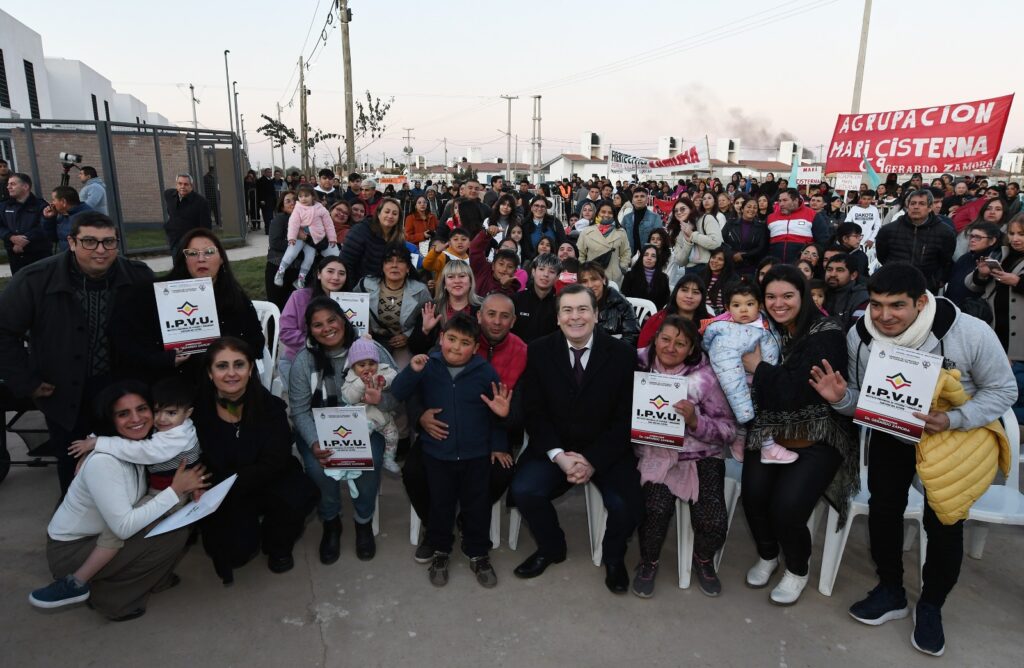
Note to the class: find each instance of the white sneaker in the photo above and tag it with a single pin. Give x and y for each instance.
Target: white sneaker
(300, 282)
(391, 466)
(788, 591)
(761, 572)
(279, 279)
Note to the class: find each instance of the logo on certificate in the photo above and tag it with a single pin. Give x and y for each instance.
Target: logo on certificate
(659, 402)
(342, 431)
(898, 381)
(350, 314)
(187, 309)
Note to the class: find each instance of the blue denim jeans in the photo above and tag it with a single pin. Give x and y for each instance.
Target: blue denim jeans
(1018, 406)
(330, 489)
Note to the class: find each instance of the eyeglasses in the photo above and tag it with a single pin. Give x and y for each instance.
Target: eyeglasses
(978, 237)
(91, 243)
(192, 254)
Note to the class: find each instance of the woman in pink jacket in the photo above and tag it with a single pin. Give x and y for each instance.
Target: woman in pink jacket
(697, 472)
(331, 276)
(312, 218)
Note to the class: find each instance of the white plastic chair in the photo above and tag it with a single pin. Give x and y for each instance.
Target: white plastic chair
(597, 518)
(1000, 504)
(415, 523)
(614, 286)
(684, 529)
(643, 308)
(835, 538)
(268, 314)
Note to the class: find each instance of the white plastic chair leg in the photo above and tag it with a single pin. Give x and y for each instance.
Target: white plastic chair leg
(414, 526)
(976, 541)
(597, 520)
(515, 522)
(376, 515)
(832, 552)
(496, 525)
(732, 495)
(684, 543)
(909, 533)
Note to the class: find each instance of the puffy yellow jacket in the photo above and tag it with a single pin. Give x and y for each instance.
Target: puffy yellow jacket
(956, 467)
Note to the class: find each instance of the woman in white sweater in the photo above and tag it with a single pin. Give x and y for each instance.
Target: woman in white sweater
(104, 494)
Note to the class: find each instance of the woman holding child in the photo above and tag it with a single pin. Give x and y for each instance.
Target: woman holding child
(317, 379)
(102, 499)
(778, 499)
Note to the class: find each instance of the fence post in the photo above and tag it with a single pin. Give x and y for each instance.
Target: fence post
(106, 145)
(30, 144)
(159, 173)
(236, 161)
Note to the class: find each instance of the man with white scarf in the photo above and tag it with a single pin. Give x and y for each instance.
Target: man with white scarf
(902, 312)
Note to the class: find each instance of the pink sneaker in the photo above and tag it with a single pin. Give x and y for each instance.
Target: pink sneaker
(776, 454)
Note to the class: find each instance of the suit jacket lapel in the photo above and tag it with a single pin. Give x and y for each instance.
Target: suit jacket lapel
(598, 358)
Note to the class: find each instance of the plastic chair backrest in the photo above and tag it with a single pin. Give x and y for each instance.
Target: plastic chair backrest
(643, 308)
(270, 322)
(1013, 435)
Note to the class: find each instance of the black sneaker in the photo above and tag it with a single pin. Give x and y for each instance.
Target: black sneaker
(424, 553)
(707, 579)
(882, 604)
(439, 569)
(643, 581)
(927, 636)
(485, 574)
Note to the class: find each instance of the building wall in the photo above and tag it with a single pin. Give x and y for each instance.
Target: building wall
(21, 43)
(129, 109)
(72, 85)
(134, 157)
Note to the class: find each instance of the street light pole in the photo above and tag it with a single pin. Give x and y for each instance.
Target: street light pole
(195, 119)
(227, 79)
(344, 16)
(861, 56)
(238, 120)
(508, 139)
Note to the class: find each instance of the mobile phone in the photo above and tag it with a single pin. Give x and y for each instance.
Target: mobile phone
(993, 263)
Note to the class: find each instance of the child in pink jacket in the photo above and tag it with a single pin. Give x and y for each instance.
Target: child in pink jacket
(310, 216)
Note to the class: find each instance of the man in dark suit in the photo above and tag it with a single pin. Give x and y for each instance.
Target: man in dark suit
(577, 392)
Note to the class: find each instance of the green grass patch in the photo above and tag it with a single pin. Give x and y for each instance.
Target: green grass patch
(250, 275)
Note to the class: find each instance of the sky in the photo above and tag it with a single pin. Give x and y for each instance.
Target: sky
(630, 72)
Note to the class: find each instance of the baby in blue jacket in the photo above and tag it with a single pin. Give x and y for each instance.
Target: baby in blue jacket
(472, 400)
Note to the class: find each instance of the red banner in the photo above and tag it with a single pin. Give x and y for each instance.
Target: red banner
(960, 137)
(663, 207)
(695, 157)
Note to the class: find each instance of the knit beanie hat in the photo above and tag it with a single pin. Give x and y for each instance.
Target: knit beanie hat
(361, 350)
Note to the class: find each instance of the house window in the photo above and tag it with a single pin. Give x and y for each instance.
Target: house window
(5, 94)
(30, 79)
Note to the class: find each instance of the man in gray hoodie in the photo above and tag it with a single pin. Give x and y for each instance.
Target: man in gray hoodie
(94, 191)
(902, 312)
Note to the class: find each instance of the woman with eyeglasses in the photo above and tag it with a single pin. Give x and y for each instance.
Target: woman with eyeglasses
(137, 338)
(539, 223)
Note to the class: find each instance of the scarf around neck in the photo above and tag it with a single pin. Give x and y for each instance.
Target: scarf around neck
(913, 336)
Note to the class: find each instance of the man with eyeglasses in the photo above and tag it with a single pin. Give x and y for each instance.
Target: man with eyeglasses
(186, 210)
(577, 391)
(65, 301)
(21, 224)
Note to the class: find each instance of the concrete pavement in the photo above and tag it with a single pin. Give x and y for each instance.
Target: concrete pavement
(386, 613)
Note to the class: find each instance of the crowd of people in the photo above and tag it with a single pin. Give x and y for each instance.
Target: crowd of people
(499, 361)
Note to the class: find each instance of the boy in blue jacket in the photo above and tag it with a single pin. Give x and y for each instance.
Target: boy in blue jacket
(471, 398)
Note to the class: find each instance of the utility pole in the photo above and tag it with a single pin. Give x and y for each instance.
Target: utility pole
(227, 80)
(302, 117)
(858, 81)
(283, 167)
(245, 142)
(407, 149)
(195, 120)
(238, 119)
(508, 139)
(535, 158)
(344, 17)
(445, 152)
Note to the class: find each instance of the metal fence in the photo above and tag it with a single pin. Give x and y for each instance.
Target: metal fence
(137, 163)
